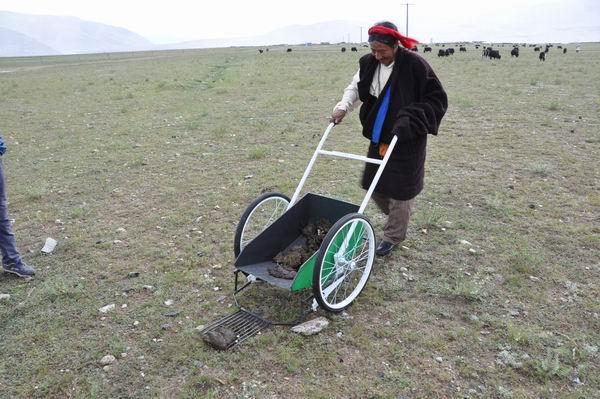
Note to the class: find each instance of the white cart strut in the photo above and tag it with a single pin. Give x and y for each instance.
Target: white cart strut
(320, 151)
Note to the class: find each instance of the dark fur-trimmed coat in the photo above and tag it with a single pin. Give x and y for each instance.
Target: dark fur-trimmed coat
(417, 104)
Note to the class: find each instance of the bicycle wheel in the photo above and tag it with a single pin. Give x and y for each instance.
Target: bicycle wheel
(263, 211)
(344, 262)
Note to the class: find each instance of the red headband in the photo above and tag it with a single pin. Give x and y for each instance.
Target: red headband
(407, 42)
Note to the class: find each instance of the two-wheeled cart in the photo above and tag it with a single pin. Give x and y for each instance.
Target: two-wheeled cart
(272, 223)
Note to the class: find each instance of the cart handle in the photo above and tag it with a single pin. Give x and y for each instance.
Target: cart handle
(319, 150)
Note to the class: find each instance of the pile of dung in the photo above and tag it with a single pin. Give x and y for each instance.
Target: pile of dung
(289, 261)
(220, 338)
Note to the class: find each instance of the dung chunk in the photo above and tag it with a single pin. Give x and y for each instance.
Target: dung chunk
(315, 233)
(293, 258)
(280, 271)
(290, 260)
(220, 338)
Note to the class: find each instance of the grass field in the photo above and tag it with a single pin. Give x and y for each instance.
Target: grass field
(140, 163)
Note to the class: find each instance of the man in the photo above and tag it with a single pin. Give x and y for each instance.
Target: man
(11, 259)
(401, 96)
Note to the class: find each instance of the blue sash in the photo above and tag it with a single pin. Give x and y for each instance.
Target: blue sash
(381, 113)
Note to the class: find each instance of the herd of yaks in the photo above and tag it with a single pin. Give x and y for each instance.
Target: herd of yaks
(488, 52)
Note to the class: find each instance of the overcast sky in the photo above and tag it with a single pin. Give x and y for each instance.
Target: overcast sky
(438, 20)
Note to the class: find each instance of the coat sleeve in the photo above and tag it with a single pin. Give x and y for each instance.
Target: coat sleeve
(424, 114)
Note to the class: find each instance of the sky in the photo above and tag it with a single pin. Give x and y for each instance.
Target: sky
(429, 20)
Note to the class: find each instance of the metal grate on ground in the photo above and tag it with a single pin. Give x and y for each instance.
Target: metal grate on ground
(242, 323)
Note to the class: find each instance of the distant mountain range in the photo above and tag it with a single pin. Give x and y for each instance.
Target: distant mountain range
(331, 31)
(23, 34)
(30, 35)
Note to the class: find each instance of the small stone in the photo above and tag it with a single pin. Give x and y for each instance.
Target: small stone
(403, 269)
(107, 308)
(123, 354)
(121, 230)
(198, 364)
(169, 302)
(439, 359)
(172, 314)
(148, 287)
(465, 242)
(106, 368)
(133, 274)
(200, 327)
(531, 206)
(123, 306)
(4, 296)
(311, 327)
(404, 248)
(533, 278)
(108, 359)
(247, 177)
(424, 231)
(217, 207)
(472, 250)
(117, 241)
(136, 323)
(346, 316)
(166, 326)
(590, 349)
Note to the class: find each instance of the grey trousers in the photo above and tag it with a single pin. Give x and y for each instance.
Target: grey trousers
(398, 213)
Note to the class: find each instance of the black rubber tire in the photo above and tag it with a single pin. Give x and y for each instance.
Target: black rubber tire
(239, 231)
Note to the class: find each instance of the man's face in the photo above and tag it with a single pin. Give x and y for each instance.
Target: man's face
(383, 53)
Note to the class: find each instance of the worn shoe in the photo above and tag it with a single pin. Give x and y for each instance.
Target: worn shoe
(384, 248)
(21, 270)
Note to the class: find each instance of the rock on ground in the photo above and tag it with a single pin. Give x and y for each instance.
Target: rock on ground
(108, 359)
(311, 327)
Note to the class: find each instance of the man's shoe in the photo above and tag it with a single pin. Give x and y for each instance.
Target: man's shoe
(21, 270)
(384, 248)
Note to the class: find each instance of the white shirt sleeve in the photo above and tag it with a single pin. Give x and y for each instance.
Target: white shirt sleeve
(350, 98)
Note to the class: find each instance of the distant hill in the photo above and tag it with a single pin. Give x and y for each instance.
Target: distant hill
(15, 44)
(69, 35)
(331, 31)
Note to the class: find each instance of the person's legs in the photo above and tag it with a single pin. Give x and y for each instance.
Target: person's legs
(383, 202)
(11, 259)
(8, 246)
(395, 229)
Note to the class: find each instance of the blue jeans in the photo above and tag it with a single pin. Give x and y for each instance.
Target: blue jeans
(8, 246)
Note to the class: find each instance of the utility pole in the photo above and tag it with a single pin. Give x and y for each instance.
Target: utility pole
(360, 35)
(406, 4)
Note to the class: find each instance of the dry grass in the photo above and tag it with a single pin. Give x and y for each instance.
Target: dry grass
(159, 144)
